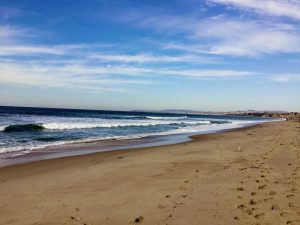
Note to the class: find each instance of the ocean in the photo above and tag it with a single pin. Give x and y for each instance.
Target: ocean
(25, 130)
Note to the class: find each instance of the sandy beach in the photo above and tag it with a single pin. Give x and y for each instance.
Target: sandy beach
(245, 176)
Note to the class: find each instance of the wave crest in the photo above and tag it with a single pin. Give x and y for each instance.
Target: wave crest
(23, 128)
(89, 125)
(73, 126)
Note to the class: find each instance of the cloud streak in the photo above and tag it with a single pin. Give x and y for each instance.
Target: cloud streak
(100, 78)
(228, 36)
(11, 33)
(150, 58)
(57, 77)
(285, 78)
(287, 8)
(21, 50)
(8, 12)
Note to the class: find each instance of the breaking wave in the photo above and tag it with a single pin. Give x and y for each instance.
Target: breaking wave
(22, 128)
(82, 125)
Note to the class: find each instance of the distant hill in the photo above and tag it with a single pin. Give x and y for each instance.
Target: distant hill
(257, 113)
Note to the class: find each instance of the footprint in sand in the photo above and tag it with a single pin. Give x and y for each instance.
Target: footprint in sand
(293, 189)
(139, 219)
(236, 218)
(291, 205)
(75, 218)
(293, 222)
(284, 214)
(259, 216)
(249, 211)
(160, 206)
(252, 202)
(274, 207)
(241, 206)
(260, 187)
(267, 199)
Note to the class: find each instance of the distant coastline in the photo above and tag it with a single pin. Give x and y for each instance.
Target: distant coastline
(251, 113)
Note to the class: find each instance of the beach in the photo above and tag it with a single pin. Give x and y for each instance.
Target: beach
(243, 176)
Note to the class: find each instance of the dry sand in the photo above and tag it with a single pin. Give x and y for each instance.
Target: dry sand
(248, 176)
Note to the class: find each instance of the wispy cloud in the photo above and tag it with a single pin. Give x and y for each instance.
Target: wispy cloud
(207, 73)
(67, 77)
(12, 44)
(97, 68)
(150, 58)
(92, 67)
(238, 37)
(8, 12)
(21, 50)
(287, 8)
(285, 78)
(84, 76)
(9, 32)
(13, 34)
(229, 36)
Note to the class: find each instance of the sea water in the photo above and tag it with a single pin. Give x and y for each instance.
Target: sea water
(23, 129)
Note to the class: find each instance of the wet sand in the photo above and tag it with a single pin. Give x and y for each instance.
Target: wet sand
(245, 176)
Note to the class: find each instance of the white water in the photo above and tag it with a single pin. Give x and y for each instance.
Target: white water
(203, 127)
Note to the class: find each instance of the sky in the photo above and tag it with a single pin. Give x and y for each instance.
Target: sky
(209, 55)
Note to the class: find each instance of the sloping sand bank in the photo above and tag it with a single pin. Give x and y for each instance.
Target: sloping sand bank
(246, 176)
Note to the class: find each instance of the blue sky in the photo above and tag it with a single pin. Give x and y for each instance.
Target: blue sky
(216, 55)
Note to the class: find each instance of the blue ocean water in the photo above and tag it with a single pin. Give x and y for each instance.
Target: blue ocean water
(30, 129)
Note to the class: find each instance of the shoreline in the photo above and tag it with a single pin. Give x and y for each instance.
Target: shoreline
(243, 176)
(91, 147)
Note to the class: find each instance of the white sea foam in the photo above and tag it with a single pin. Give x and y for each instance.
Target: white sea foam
(111, 124)
(200, 128)
(166, 118)
(63, 123)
